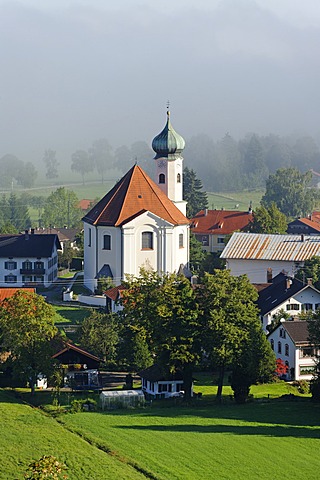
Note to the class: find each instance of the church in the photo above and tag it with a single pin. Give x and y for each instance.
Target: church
(139, 222)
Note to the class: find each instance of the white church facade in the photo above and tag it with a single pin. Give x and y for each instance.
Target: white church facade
(139, 222)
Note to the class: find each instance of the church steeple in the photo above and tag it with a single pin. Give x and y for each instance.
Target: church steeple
(168, 146)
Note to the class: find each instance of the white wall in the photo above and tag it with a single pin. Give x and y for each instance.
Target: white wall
(256, 270)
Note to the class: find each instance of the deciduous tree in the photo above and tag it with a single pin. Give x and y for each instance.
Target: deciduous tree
(61, 209)
(51, 163)
(81, 163)
(268, 220)
(27, 326)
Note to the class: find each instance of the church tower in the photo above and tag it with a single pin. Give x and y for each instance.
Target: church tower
(168, 146)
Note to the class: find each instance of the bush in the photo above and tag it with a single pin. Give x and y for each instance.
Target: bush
(83, 405)
(315, 389)
(302, 386)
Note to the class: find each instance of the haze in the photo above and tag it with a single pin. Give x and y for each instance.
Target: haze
(76, 71)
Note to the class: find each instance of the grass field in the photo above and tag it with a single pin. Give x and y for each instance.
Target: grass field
(267, 439)
(74, 315)
(27, 434)
(234, 200)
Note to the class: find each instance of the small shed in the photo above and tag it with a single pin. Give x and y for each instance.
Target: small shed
(121, 399)
(157, 384)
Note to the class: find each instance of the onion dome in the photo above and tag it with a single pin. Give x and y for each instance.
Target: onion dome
(168, 143)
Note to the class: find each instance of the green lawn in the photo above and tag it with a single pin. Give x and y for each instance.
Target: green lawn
(278, 440)
(74, 315)
(27, 434)
(228, 201)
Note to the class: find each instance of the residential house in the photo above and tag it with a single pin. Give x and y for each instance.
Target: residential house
(67, 236)
(290, 343)
(8, 292)
(261, 256)
(213, 227)
(28, 259)
(114, 296)
(307, 225)
(140, 223)
(286, 294)
(157, 385)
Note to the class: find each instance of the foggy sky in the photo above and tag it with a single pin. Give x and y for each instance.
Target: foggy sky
(76, 71)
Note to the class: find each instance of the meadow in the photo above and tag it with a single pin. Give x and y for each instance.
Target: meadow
(268, 438)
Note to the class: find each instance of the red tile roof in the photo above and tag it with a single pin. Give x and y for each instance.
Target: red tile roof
(84, 204)
(314, 223)
(115, 292)
(134, 194)
(220, 221)
(9, 292)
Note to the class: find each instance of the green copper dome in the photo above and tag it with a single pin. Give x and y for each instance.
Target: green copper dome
(168, 143)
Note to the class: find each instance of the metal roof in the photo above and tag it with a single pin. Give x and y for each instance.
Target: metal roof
(256, 246)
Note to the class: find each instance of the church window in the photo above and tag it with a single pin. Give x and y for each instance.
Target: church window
(180, 240)
(272, 344)
(286, 349)
(162, 178)
(147, 241)
(179, 178)
(107, 242)
(89, 237)
(279, 347)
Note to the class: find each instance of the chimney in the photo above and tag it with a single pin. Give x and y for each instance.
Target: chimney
(205, 212)
(250, 207)
(269, 275)
(302, 237)
(309, 281)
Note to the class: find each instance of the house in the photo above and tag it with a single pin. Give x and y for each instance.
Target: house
(139, 222)
(80, 368)
(67, 236)
(28, 259)
(212, 227)
(85, 204)
(261, 256)
(157, 385)
(114, 296)
(286, 294)
(8, 292)
(290, 343)
(307, 225)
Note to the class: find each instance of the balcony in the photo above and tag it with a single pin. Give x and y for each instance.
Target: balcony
(32, 271)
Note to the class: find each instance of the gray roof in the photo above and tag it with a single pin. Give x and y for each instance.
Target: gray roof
(256, 246)
(298, 330)
(28, 245)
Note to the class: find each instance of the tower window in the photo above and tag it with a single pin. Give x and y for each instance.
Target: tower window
(179, 178)
(180, 240)
(107, 242)
(89, 237)
(147, 241)
(162, 178)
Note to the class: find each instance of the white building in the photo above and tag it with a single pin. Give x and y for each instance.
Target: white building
(288, 295)
(290, 343)
(261, 256)
(139, 223)
(28, 259)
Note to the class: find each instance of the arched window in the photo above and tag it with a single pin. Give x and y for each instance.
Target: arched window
(162, 178)
(286, 349)
(181, 240)
(107, 242)
(179, 178)
(147, 241)
(279, 347)
(272, 343)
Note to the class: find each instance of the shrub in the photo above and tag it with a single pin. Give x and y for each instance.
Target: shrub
(86, 404)
(302, 386)
(315, 389)
(47, 466)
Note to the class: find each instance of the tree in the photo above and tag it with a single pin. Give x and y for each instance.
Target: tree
(256, 363)
(14, 212)
(193, 193)
(310, 269)
(65, 257)
(164, 308)
(27, 326)
(101, 156)
(61, 209)
(47, 466)
(268, 220)
(27, 175)
(314, 338)
(197, 255)
(253, 163)
(99, 334)
(290, 190)
(81, 163)
(51, 163)
(227, 315)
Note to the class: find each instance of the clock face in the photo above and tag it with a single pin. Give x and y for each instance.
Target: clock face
(161, 163)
